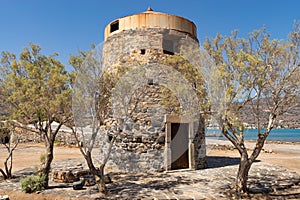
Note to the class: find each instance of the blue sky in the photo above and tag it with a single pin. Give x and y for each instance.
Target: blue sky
(66, 26)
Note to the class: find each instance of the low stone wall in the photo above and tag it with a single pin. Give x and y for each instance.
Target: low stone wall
(72, 175)
(62, 138)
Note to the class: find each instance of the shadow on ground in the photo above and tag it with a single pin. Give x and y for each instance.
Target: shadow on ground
(134, 185)
(222, 161)
(269, 183)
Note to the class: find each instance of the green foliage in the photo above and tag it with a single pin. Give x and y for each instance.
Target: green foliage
(56, 142)
(108, 80)
(43, 158)
(193, 76)
(248, 70)
(258, 73)
(33, 183)
(37, 90)
(87, 68)
(36, 86)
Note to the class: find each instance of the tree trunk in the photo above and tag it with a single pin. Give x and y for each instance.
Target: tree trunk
(242, 176)
(3, 174)
(8, 169)
(96, 172)
(7, 174)
(49, 158)
(101, 185)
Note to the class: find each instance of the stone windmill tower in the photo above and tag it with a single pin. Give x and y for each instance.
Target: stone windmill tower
(161, 129)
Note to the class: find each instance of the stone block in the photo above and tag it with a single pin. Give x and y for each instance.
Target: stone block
(78, 185)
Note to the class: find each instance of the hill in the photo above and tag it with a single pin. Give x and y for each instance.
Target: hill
(291, 119)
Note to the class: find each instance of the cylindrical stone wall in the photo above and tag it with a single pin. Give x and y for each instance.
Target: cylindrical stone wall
(149, 54)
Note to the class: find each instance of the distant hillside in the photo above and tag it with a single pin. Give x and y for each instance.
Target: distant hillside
(288, 120)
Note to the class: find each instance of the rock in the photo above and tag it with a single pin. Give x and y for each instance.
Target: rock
(151, 130)
(78, 185)
(5, 197)
(82, 173)
(145, 140)
(270, 151)
(156, 123)
(267, 151)
(107, 179)
(137, 138)
(161, 139)
(69, 175)
(90, 180)
(64, 177)
(136, 127)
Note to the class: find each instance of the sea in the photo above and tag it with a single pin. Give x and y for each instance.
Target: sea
(283, 135)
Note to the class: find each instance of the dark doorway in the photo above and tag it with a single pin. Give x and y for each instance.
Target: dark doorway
(114, 26)
(179, 145)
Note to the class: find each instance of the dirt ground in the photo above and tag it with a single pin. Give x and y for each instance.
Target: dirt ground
(28, 156)
(286, 155)
(19, 195)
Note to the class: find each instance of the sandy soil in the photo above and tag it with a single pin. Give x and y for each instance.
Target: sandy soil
(285, 155)
(19, 195)
(28, 155)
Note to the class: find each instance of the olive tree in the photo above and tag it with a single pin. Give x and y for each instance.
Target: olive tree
(91, 92)
(259, 73)
(37, 92)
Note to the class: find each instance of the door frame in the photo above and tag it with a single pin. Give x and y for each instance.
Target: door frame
(169, 119)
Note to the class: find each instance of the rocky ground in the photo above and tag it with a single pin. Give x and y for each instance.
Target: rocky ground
(267, 180)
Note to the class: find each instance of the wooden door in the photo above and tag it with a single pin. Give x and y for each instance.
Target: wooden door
(179, 145)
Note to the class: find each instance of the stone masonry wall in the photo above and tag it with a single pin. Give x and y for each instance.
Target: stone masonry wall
(140, 142)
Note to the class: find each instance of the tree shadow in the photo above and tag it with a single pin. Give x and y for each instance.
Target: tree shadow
(25, 172)
(60, 186)
(143, 185)
(222, 161)
(269, 184)
(295, 195)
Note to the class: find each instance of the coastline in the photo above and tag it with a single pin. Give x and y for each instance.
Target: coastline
(276, 134)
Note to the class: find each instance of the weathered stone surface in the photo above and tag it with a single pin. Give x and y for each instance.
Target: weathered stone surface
(78, 185)
(69, 175)
(5, 197)
(89, 180)
(107, 179)
(140, 136)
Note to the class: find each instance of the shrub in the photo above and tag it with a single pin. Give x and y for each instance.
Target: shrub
(33, 183)
(56, 143)
(43, 158)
